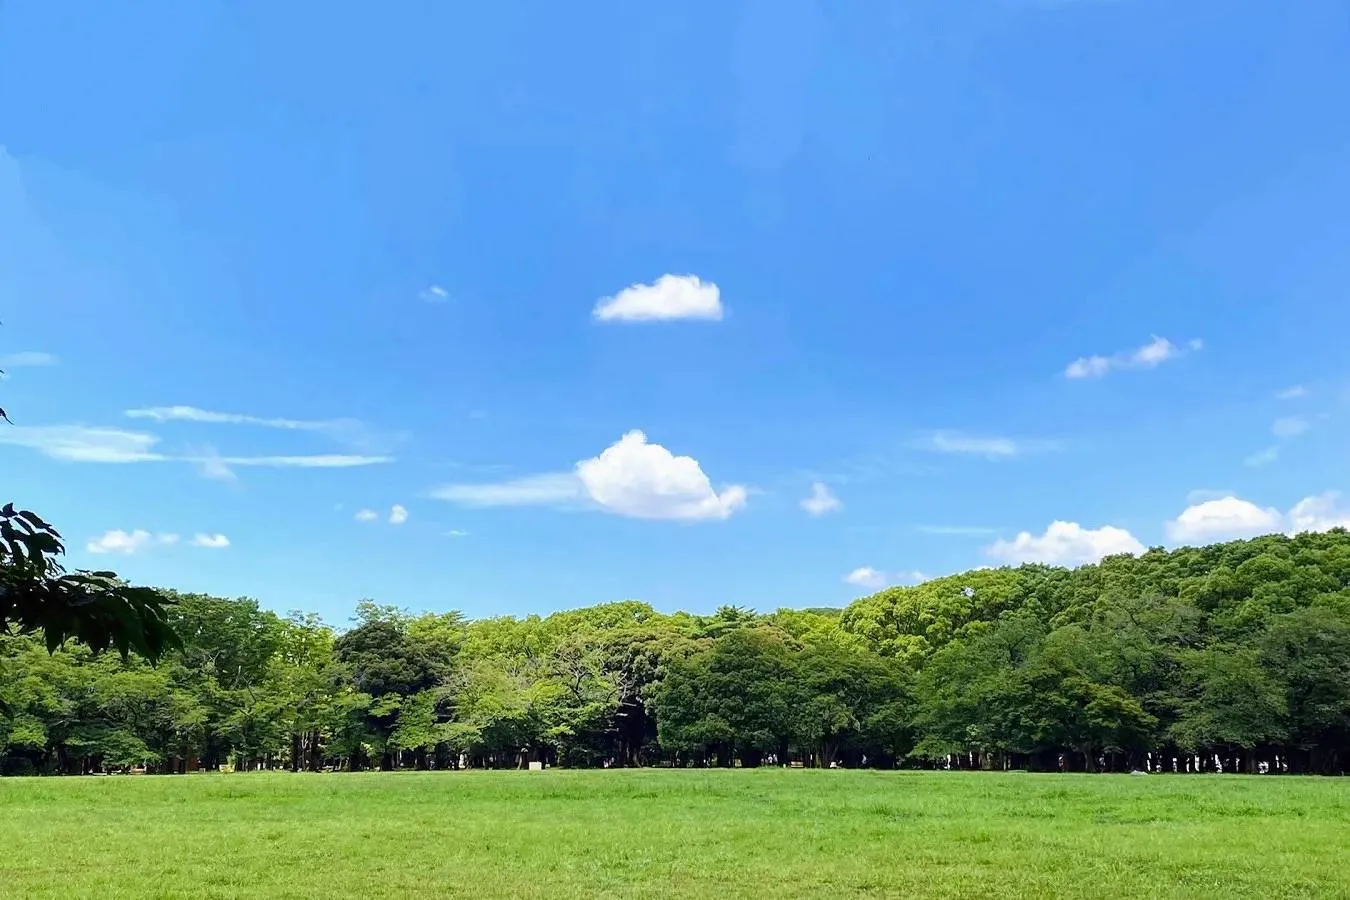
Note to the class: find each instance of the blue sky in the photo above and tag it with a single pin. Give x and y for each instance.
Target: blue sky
(269, 271)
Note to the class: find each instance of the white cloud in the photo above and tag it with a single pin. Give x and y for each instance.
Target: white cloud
(631, 478)
(366, 515)
(1200, 495)
(990, 447)
(314, 461)
(1290, 426)
(26, 359)
(549, 489)
(1228, 517)
(398, 515)
(77, 443)
(1320, 513)
(456, 532)
(1262, 457)
(1232, 517)
(821, 500)
(1066, 544)
(211, 417)
(80, 443)
(128, 542)
(646, 481)
(1292, 393)
(866, 576)
(434, 294)
(670, 297)
(955, 529)
(1156, 352)
(210, 541)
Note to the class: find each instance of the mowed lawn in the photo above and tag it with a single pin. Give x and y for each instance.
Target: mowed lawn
(662, 833)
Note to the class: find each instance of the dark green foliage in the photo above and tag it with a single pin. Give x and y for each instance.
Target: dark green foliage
(96, 609)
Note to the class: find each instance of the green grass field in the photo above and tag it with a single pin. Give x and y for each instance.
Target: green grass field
(659, 833)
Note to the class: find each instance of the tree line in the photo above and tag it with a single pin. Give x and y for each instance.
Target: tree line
(1233, 658)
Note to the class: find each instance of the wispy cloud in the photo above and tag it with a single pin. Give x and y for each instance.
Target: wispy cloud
(352, 433)
(1290, 426)
(956, 530)
(434, 294)
(26, 359)
(1262, 457)
(366, 515)
(1292, 393)
(555, 488)
(80, 443)
(457, 533)
(987, 446)
(1156, 352)
(821, 501)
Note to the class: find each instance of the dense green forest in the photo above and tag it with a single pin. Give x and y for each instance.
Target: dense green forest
(1233, 657)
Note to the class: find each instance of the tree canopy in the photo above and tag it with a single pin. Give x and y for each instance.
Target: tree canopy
(1232, 657)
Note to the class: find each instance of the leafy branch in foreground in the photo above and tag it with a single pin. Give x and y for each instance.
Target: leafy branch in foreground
(97, 609)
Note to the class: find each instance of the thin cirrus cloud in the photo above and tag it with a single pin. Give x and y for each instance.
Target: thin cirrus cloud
(85, 444)
(1151, 355)
(989, 447)
(26, 359)
(668, 298)
(633, 478)
(821, 501)
(434, 294)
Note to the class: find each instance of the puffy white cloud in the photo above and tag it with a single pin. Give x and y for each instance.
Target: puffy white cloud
(866, 576)
(398, 515)
(669, 297)
(26, 359)
(1232, 517)
(821, 500)
(128, 542)
(1289, 426)
(1156, 352)
(1320, 513)
(632, 478)
(366, 515)
(646, 481)
(1227, 517)
(1066, 544)
(210, 541)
